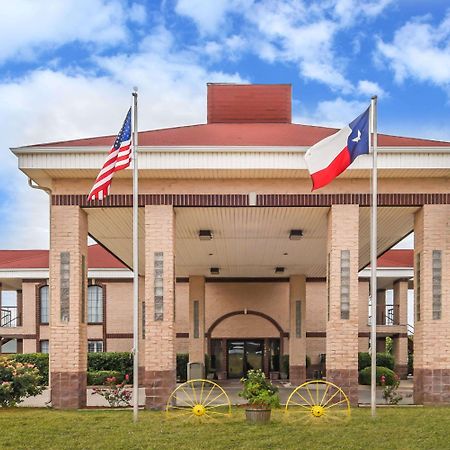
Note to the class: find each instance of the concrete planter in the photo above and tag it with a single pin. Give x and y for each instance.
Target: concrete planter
(258, 416)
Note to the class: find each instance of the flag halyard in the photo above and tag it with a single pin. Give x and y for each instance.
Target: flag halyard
(119, 158)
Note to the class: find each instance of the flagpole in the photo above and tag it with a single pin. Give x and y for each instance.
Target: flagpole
(373, 255)
(135, 264)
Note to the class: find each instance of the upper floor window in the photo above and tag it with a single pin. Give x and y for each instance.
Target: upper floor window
(95, 304)
(44, 304)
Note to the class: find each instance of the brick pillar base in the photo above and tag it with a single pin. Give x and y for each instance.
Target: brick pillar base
(141, 373)
(297, 375)
(68, 390)
(159, 384)
(347, 380)
(401, 370)
(431, 386)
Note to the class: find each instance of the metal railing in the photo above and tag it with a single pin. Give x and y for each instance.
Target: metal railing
(9, 317)
(388, 315)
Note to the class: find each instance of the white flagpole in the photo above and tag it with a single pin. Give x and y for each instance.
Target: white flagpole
(135, 264)
(373, 255)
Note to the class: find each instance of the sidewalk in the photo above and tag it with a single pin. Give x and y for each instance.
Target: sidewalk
(232, 388)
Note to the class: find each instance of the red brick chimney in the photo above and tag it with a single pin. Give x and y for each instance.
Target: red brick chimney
(249, 103)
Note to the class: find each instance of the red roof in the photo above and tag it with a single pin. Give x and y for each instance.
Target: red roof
(242, 134)
(397, 258)
(98, 258)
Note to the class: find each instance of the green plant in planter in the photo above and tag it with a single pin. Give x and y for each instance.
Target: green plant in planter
(259, 391)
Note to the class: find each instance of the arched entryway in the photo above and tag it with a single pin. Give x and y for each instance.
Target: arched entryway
(233, 351)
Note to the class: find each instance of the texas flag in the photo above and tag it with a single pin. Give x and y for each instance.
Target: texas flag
(331, 156)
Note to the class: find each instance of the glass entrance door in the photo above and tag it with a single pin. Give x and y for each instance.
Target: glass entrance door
(244, 355)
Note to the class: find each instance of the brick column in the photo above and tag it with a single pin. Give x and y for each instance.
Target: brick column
(342, 285)
(297, 331)
(68, 299)
(142, 319)
(432, 303)
(160, 376)
(400, 342)
(197, 347)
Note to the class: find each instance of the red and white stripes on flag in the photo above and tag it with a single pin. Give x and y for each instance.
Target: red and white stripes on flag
(119, 158)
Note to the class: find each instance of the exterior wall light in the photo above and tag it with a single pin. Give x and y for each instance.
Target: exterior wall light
(205, 235)
(295, 235)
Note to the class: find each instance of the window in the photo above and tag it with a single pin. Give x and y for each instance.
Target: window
(43, 304)
(437, 280)
(345, 284)
(95, 304)
(95, 346)
(44, 346)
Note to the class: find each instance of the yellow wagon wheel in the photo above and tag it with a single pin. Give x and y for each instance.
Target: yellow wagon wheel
(198, 401)
(318, 402)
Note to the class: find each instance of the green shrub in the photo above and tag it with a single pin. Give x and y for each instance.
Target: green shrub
(390, 376)
(258, 390)
(99, 377)
(119, 361)
(39, 360)
(383, 360)
(182, 362)
(18, 381)
(364, 360)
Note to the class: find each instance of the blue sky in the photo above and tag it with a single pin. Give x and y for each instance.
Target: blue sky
(68, 66)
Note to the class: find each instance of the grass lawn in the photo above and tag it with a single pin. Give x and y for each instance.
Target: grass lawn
(394, 428)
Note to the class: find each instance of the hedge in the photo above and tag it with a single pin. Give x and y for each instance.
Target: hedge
(98, 377)
(117, 361)
(365, 376)
(383, 360)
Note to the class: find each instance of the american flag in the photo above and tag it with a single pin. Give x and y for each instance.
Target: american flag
(119, 158)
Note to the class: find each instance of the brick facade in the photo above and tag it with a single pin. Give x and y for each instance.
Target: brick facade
(297, 329)
(160, 377)
(342, 333)
(197, 343)
(68, 338)
(432, 333)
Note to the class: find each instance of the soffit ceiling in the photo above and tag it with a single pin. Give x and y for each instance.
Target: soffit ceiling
(248, 242)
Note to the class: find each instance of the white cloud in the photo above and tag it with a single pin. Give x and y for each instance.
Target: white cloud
(419, 50)
(29, 26)
(210, 16)
(49, 105)
(369, 88)
(333, 113)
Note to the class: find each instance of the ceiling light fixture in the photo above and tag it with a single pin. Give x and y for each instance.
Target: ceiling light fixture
(205, 235)
(214, 270)
(295, 235)
(279, 269)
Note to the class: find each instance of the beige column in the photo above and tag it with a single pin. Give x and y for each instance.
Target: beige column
(400, 341)
(68, 299)
(381, 307)
(342, 315)
(160, 376)
(432, 304)
(197, 346)
(297, 331)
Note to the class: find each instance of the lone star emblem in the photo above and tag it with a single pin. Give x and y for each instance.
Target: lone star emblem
(358, 138)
